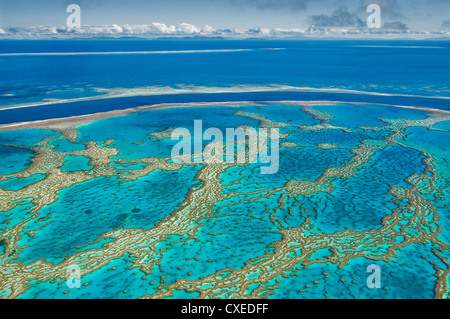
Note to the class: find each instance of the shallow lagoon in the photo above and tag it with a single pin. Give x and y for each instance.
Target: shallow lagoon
(243, 228)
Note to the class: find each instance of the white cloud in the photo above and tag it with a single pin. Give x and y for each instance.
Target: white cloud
(188, 28)
(156, 29)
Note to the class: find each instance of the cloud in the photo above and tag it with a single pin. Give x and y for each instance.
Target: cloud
(292, 5)
(326, 26)
(85, 3)
(340, 17)
(396, 25)
(113, 30)
(446, 24)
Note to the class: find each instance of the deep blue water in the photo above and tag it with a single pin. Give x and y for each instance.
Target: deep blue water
(394, 67)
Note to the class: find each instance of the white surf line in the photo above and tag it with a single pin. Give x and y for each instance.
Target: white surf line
(155, 91)
(396, 46)
(120, 52)
(6, 126)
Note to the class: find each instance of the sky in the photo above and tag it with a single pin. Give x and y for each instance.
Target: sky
(418, 15)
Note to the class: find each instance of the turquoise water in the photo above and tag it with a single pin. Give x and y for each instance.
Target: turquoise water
(243, 226)
(89, 209)
(14, 184)
(76, 163)
(63, 145)
(15, 159)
